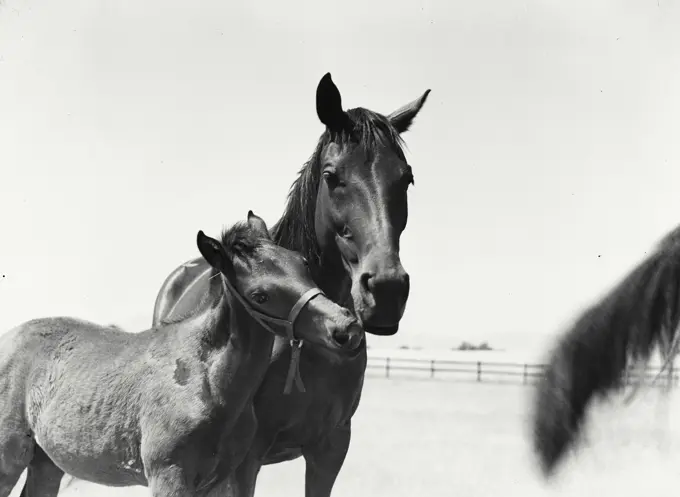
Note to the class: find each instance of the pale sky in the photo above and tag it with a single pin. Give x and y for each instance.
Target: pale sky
(547, 159)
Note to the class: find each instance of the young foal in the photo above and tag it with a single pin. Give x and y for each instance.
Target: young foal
(169, 408)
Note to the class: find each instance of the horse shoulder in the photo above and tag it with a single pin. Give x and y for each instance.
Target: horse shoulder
(181, 290)
(178, 389)
(177, 406)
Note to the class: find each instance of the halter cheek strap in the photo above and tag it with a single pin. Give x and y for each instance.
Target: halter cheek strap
(296, 345)
(289, 325)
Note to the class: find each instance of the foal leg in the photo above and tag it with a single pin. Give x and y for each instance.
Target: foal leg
(324, 461)
(16, 451)
(169, 482)
(43, 476)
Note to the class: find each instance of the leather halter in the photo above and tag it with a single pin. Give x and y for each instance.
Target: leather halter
(289, 324)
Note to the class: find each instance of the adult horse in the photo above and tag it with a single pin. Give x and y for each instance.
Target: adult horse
(345, 213)
(169, 408)
(639, 315)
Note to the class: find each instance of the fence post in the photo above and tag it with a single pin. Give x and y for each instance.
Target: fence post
(669, 379)
(432, 368)
(525, 376)
(387, 367)
(479, 370)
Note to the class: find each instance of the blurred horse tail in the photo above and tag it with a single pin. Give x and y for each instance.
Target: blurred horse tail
(638, 316)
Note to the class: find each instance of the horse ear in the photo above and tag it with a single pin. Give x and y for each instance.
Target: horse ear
(212, 251)
(256, 223)
(329, 105)
(402, 118)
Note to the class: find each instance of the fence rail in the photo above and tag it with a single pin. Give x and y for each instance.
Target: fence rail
(484, 371)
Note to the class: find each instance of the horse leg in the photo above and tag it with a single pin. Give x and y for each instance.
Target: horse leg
(43, 476)
(324, 461)
(242, 482)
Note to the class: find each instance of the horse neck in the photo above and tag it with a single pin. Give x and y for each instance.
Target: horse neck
(334, 280)
(295, 230)
(238, 350)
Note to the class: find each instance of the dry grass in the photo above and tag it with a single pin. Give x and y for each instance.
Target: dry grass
(443, 438)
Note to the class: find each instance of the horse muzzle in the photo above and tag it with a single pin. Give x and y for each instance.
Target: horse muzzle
(348, 337)
(380, 299)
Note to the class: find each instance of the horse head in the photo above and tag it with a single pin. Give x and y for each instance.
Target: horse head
(361, 204)
(275, 287)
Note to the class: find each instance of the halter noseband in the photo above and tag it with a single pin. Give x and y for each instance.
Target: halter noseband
(289, 324)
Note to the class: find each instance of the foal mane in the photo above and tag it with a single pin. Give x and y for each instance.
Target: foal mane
(240, 241)
(295, 229)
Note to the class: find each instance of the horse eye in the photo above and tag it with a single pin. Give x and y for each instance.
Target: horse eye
(332, 179)
(260, 297)
(345, 232)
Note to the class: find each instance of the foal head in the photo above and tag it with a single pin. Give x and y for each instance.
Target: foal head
(361, 207)
(275, 286)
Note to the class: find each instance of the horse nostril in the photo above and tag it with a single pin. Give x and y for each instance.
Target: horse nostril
(365, 280)
(349, 337)
(386, 285)
(341, 336)
(355, 341)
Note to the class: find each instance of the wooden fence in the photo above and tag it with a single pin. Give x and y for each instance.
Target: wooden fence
(497, 372)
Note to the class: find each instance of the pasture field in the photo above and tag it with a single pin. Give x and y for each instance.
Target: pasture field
(447, 438)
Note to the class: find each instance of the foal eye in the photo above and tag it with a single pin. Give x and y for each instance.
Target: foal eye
(260, 297)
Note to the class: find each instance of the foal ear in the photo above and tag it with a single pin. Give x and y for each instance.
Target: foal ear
(212, 251)
(402, 118)
(257, 224)
(329, 105)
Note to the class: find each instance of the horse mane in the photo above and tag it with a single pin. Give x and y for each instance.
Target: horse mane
(639, 315)
(295, 229)
(670, 240)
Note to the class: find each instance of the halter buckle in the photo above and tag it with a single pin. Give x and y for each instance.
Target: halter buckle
(296, 344)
